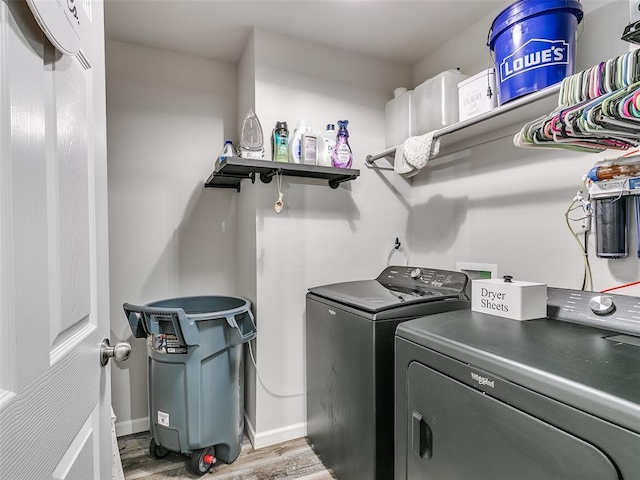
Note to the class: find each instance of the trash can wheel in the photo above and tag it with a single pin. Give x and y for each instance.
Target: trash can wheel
(157, 451)
(202, 460)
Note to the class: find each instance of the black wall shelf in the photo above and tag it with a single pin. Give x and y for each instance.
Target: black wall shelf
(230, 171)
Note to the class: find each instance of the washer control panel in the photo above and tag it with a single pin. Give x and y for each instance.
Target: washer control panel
(424, 279)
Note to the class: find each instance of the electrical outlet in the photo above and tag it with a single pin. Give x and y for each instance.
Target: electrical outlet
(580, 218)
(478, 270)
(586, 222)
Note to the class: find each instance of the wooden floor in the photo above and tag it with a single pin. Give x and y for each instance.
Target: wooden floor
(292, 459)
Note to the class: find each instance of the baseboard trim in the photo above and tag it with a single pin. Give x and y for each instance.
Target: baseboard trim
(249, 429)
(277, 435)
(128, 427)
(257, 439)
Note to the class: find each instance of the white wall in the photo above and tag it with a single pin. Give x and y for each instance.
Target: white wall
(246, 219)
(168, 116)
(323, 235)
(467, 51)
(499, 204)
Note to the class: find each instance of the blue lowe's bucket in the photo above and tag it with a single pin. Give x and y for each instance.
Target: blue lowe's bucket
(534, 44)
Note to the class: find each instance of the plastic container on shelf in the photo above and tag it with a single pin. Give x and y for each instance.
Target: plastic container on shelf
(399, 117)
(280, 142)
(534, 45)
(435, 102)
(309, 148)
(477, 94)
(342, 156)
(295, 142)
(326, 144)
(227, 150)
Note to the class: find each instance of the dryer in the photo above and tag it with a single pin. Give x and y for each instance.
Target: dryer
(350, 329)
(488, 398)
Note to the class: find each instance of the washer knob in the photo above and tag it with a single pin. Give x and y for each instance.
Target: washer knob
(602, 305)
(416, 273)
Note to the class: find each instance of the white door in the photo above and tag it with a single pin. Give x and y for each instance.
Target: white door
(54, 394)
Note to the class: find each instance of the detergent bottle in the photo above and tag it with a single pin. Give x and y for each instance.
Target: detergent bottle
(342, 156)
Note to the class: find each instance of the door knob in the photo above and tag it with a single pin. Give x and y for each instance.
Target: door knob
(119, 351)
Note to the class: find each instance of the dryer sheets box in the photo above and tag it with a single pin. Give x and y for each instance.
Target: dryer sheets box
(516, 299)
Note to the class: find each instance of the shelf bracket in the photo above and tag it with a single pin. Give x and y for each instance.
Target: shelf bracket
(337, 181)
(221, 185)
(239, 176)
(265, 177)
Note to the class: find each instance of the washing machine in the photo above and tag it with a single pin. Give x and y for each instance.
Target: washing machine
(488, 398)
(350, 329)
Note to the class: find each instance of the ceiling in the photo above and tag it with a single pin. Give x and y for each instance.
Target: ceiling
(399, 31)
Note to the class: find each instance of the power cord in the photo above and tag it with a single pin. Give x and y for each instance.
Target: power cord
(269, 388)
(585, 206)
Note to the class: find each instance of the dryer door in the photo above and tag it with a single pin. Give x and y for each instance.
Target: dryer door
(459, 433)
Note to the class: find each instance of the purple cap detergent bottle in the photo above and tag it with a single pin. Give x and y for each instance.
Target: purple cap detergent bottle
(342, 156)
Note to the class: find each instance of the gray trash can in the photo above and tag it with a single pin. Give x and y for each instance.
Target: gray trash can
(195, 375)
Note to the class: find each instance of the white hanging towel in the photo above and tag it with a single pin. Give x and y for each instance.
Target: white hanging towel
(400, 165)
(419, 150)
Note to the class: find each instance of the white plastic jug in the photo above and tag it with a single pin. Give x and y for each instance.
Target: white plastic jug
(435, 102)
(399, 118)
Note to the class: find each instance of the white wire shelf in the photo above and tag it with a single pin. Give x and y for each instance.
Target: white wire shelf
(501, 122)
